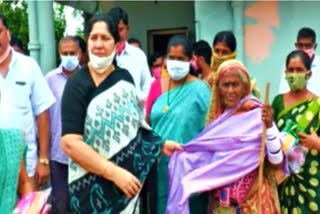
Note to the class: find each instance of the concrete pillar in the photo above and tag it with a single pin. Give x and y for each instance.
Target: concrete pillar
(34, 45)
(46, 35)
(238, 27)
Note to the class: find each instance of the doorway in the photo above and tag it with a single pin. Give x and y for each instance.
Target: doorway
(158, 39)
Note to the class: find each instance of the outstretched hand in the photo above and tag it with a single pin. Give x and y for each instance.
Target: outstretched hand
(170, 146)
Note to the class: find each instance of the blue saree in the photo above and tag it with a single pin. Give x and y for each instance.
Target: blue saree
(183, 120)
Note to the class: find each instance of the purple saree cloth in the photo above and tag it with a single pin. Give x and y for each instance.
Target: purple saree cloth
(226, 150)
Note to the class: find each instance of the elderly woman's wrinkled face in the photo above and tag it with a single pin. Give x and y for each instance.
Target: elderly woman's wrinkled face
(232, 89)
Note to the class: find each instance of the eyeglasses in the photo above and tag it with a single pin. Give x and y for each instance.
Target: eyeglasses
(300, 45)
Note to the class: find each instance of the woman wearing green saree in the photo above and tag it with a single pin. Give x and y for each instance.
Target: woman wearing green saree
(176, 109)
(300, 192)
(14, 180)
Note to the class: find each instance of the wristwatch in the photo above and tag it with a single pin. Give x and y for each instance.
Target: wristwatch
(44, 161)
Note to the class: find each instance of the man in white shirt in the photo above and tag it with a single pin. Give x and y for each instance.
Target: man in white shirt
(24, 100)
(306, 41)
(130, 57)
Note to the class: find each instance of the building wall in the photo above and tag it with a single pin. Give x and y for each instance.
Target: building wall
(270, 30)
(212, 17)
(152, 15)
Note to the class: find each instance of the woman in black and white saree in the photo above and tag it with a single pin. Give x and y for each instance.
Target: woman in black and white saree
(111, 149)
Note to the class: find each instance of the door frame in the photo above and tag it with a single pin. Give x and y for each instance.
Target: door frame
(156, 32)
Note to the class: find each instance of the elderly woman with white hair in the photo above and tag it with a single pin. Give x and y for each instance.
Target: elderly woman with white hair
(224, 158)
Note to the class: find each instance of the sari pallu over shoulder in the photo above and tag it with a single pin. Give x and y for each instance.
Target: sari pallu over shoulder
(114, 128)
(303, 113)
(218, 156)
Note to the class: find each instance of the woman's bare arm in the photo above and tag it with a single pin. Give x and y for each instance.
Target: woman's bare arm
(25, 183)
(86, 157)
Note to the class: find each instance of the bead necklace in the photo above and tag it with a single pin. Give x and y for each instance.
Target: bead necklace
(167, 107)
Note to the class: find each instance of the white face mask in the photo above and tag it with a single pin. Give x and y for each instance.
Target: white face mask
(177, 69)
(100, 64)
(70, 63)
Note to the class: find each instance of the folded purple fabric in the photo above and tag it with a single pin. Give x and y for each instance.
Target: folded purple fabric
(226, 150)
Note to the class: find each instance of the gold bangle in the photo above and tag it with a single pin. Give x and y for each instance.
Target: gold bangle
(44, 161)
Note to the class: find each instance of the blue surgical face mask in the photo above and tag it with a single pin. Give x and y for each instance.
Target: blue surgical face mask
(69, 63)
(178, 69)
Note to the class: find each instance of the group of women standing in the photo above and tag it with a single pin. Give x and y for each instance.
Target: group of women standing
(211, 128)
(217, 171)
(223, 158)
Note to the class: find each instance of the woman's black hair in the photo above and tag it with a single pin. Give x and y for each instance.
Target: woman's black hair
(112, 26)
(184, 42)
(187, 48)
(226, 37)
(305, 59)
